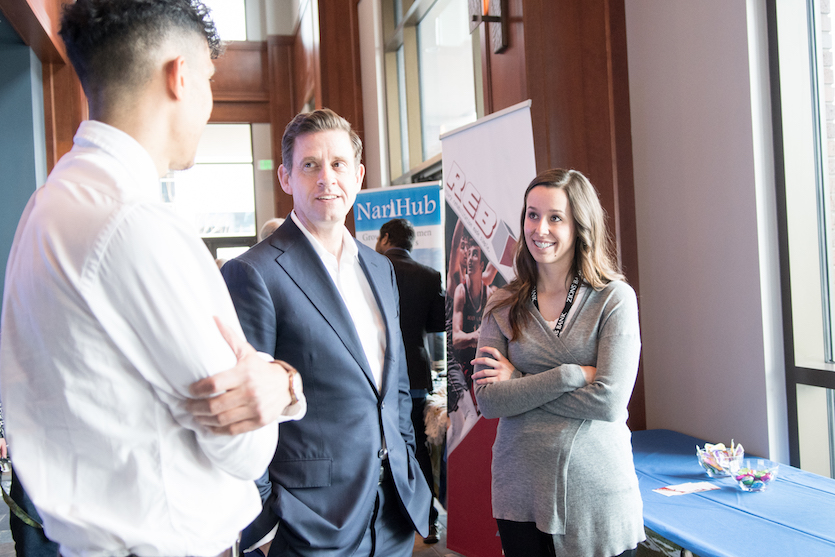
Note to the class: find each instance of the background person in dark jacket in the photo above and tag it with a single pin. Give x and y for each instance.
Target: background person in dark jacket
(421, 311)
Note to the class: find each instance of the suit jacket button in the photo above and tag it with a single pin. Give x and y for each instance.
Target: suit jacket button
(382, 405)
(382, 453)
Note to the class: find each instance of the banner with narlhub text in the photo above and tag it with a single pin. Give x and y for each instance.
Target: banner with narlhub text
(420, 204)
(487, 166)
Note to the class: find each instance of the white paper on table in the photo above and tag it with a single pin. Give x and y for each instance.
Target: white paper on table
(685, 488)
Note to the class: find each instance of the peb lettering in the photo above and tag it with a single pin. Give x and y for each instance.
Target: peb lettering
(455, 179)
(486, 219)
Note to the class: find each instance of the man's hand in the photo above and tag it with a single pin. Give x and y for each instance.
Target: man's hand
(4, 451)
(249, 396)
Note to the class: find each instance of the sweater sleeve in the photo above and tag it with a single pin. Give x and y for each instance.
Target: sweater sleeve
(522, 392)
(618, 353)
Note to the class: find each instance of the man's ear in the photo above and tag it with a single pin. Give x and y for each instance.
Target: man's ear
(284, 179)
(175, 77)
(360, 174)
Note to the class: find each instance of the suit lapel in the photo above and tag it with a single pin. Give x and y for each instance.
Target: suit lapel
(304, 267)
(380, 280)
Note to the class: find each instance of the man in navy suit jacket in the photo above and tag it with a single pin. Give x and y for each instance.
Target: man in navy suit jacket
(345, 480)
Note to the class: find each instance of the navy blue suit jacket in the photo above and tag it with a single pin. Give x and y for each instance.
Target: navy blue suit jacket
(327, 465)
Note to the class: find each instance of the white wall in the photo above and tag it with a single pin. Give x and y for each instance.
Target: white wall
(282, 16)
(271, 17)
(710, 314)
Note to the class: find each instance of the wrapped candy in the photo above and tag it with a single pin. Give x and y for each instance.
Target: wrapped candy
(754, 474)
(716, 458)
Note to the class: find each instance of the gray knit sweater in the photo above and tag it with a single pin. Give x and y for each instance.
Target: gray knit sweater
(563, 454)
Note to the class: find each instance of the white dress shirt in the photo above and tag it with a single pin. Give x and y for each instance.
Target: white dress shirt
(353, 286)
(107, 320)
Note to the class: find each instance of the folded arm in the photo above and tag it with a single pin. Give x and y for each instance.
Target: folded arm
(618, 354)
(607, 396)
(158, 293)
(520, 392)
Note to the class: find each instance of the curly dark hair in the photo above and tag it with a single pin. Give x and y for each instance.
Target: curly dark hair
(107, 41)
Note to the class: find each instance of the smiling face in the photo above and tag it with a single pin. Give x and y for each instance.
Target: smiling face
(549, 227)
(323, 180)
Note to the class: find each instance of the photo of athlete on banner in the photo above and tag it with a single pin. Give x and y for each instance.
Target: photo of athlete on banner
(471, 278)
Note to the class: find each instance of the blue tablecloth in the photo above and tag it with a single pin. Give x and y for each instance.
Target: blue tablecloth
(795, 516)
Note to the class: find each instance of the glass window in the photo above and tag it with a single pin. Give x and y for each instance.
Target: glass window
(431, 81)
(446, 65)
(802, 59)
(402, 109)
(217, 195)
(823, 92)
(229, 17)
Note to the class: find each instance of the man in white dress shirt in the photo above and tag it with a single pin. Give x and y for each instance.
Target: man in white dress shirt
(114, 313)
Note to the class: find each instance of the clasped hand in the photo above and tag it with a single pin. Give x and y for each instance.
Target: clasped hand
(247, 397)
(496, 367)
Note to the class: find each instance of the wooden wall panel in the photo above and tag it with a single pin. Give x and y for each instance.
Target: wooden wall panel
(624, 184)
(242, 73)
(65, 106)
(503, 74)
(339, 56)
(234, 112)
(282, 103)
(241, 85)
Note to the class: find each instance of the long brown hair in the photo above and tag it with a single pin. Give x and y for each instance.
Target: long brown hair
(592, 256)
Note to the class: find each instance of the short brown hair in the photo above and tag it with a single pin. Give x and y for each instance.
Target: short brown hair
(320, 120)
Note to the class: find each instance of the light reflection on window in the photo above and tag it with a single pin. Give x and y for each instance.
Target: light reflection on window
(447, 80)
(229, 17)
(217, 195)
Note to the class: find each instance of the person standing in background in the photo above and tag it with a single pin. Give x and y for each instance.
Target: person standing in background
(269, 227)
(29, 540)
(422, 301)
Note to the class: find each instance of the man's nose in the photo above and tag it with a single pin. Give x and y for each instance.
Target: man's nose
(326, 175)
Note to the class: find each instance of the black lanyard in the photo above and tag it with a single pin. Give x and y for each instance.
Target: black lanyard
(569, 300)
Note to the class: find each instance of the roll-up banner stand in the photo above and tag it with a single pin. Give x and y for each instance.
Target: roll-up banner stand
(486, 167)
(421, 204)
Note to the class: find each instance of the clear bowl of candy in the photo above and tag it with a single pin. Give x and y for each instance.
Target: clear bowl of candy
(754, 474)
(716, 458)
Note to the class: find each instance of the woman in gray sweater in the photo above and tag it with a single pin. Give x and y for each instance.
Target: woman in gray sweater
(558, 356)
